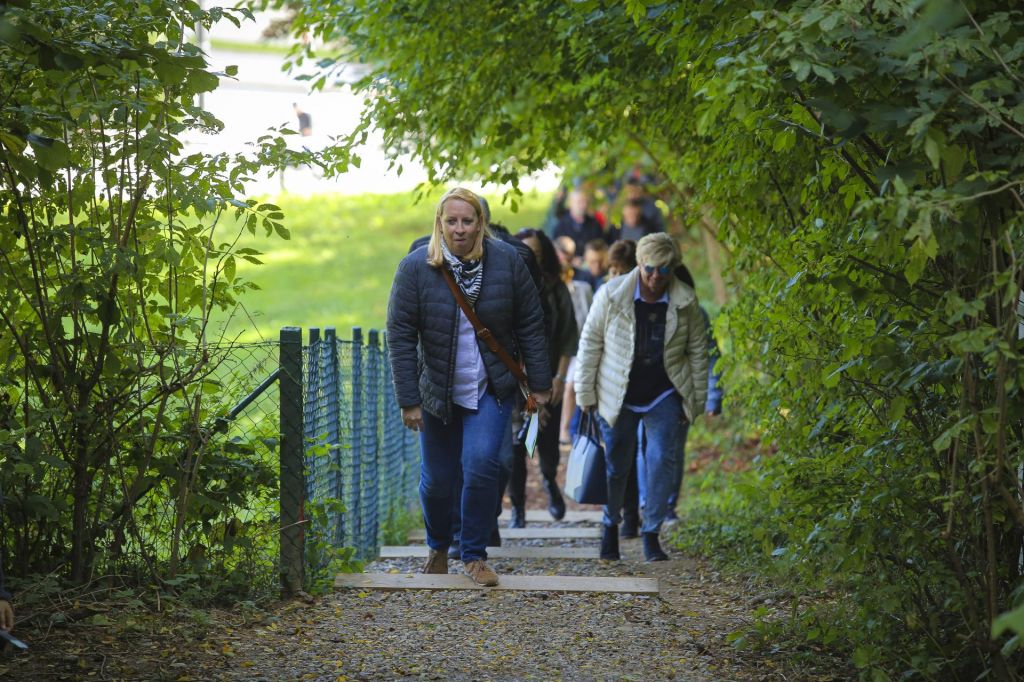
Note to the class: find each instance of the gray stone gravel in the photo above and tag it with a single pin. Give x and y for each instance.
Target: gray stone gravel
(498, 635)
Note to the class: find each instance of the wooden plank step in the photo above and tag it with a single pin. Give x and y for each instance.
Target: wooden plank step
(532, 533)
(506, 552)
(536, 515)
(542, 583)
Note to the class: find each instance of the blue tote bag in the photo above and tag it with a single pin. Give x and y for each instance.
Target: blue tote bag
(585, 479)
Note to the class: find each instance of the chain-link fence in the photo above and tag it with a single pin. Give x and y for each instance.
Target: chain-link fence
(348, 467)
(358, 452)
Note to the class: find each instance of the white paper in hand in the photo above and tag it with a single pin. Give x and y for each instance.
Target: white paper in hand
(532, 427)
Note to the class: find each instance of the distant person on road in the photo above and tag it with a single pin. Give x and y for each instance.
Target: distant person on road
(305, 120)
(643, 358)
(451, 387)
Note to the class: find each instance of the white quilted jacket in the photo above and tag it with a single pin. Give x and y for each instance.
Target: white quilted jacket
(605, 353)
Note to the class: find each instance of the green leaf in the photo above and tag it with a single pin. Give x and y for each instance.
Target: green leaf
(202, 81)
(1011, 620)
(933, 150)
(51, 154)
(12, 142)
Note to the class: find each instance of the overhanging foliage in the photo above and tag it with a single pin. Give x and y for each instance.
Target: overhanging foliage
(864, 159)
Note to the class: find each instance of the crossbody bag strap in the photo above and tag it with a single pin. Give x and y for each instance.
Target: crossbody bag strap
(485, 335)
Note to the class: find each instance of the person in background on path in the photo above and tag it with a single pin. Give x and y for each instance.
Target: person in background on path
(579, 224)
(622, 260)
(556, 211)
(450, 386)
(582, 295)
(633, 225)
(562, 335)
(642, 358)
(305, 120)
(713, 404)
(649, 211)
(595, 260)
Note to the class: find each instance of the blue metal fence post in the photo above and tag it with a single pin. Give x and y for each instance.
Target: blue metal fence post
(312, 383)
(292, 483)
(355, 482)
(332, 396)
(371, 477)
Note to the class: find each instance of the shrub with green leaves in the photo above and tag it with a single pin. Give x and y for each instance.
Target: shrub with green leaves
(113, 255)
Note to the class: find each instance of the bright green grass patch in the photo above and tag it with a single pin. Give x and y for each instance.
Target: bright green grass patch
(337, 268)
(243, 46)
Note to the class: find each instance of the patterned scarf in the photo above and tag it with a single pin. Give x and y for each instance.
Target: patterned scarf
(468, 274)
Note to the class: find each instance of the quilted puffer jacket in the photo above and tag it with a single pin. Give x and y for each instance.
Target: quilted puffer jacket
(606, 348)
(423, 327)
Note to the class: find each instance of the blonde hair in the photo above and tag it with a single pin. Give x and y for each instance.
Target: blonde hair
(434, 255)
(657, 249)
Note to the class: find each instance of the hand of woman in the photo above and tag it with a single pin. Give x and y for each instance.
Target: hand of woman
(412, 417)
(557, 385)
(542, 397)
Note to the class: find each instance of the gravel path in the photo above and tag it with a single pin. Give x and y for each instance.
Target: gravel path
(491, 635)
(682, 634)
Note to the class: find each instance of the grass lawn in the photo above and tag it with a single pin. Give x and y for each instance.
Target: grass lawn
(336, 269)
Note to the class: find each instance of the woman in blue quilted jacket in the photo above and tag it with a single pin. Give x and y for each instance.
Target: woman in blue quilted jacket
(452, 388)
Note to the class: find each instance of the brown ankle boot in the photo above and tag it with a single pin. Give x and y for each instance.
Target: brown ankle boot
(481, 573)
(437, 562)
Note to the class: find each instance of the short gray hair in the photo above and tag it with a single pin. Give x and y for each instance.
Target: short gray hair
(657, 249)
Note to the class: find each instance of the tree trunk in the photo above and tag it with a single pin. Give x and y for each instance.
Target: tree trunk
(714, 255)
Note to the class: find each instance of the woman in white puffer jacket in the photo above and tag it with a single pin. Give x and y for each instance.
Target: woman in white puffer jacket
(643, 357)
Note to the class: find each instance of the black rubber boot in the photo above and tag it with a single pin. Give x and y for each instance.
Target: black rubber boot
(557, 504)
(610, 543)
(652, 548)
(630, 524)
(518, 517)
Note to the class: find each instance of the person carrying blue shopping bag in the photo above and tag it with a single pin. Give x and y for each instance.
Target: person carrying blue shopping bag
(635, 491)
(643, 358)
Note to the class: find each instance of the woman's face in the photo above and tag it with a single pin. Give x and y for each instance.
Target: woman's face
(460, 226)
(534, 245)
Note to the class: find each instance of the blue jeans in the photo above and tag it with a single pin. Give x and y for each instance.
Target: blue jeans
(503, 476)
(641, 467)
(472, 444)
(663, 425)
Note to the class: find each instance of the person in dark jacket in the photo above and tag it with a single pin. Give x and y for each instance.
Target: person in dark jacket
(579, 224)
(562, 336)
(501, 232)
(451, 387)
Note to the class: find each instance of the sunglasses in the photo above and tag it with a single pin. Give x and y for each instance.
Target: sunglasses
(662, 269)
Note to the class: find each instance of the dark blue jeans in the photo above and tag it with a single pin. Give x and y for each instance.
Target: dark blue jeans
(472, 442)
(663, 425)
(641, 465)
